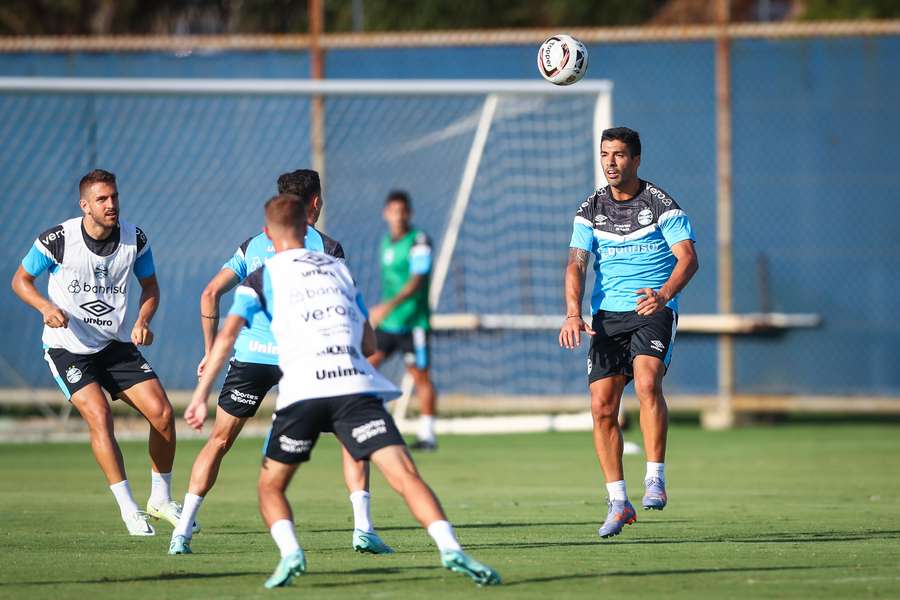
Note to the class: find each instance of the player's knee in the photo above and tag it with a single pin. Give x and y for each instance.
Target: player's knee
(604, 410)
(647, 388)
(161, 416)
(220, 442)
(98, 419)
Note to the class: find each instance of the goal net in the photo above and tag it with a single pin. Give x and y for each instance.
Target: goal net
(495, 170)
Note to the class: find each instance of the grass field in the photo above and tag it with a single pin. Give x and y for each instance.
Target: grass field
(789, 511)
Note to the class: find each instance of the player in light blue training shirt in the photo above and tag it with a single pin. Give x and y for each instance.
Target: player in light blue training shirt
(643, 248)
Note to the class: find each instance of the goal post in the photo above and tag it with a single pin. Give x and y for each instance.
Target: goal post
(495, 169)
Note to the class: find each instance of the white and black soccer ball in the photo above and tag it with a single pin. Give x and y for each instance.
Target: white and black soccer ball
(562, 60)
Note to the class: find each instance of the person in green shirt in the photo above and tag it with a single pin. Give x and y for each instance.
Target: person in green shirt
(402, 320)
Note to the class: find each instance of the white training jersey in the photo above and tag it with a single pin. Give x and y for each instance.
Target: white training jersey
(317, 317)
(88, 280)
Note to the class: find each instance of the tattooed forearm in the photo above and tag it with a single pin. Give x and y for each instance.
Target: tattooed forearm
(579, 257)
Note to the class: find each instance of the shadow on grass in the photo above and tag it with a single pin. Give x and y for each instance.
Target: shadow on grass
(711, 571)
(476, 526)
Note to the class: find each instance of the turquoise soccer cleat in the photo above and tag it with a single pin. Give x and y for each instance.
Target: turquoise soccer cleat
(288, 567)
(460, 562)
(180, 545)
(369, 542)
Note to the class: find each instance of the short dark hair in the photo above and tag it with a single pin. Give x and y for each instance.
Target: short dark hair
(629, 137)
(96, 176)
(399, 196)
(304, 183)
(287, 210)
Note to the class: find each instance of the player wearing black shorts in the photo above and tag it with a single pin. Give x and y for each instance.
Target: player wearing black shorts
(87, 343)
(254, 371)
(322, 330)
(643, 247)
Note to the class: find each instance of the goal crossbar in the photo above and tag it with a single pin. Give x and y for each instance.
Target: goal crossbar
(341, 87)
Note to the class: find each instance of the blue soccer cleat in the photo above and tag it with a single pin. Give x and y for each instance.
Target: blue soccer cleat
(621, 513)
(369, 542)
(460, 562)
(654, 494)
(180, 545)
(288, 567)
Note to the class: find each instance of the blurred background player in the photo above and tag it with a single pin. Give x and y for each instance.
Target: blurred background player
(643, 245)
(253, 371)
(403, 319)
(86, 342)
(320, 325)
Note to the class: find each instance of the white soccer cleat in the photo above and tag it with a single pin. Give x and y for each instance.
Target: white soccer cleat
(137, 524)
(171, 512)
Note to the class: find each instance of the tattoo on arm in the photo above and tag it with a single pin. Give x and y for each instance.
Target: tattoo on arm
(579, 257)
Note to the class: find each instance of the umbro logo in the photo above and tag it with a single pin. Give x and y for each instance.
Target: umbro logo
(657, 345)
(98, 308)
(315, 259)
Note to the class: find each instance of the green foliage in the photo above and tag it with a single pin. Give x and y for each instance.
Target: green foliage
(819, 10)
(795, 511)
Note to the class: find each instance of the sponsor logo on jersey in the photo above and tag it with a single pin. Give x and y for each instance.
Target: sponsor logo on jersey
(369, 430)
(61, 234)
(292, 446)
(338, 350)
(615, 250)
(657, 345)
(645, 217)
(302, 295)
(338, 372)
(76, 287)
(327, 312)
(600, 219)
(242, 398)
(73, 374)
(623, 227)
(312, 272)
(659, 194)
(256, 263)
(101, 271)
(267, 348)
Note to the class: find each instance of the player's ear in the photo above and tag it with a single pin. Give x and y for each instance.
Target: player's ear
(266, 231)
(83, 203)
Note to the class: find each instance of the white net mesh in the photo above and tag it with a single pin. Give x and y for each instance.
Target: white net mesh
(194, 170)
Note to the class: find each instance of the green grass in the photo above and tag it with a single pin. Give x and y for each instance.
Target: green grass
(790, 511)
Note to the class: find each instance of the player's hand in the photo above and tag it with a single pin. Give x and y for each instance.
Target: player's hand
(650, 301)
(377, 314)
(196, 412)
(202, 365)
(570, 334)
(141, 334)
(55, 317)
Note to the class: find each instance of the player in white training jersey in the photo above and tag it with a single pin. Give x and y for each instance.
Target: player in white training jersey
(87, 344)
(321, 326)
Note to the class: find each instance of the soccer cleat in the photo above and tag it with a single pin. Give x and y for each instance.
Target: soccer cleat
(137, 524)
(368, 542)
(621, 513)
(459, 561)
(180, 545)
(654, 494)
(424, 445)
(288, 567)
(171, 512)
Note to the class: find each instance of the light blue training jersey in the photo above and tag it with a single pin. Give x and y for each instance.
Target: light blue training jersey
(631, 241)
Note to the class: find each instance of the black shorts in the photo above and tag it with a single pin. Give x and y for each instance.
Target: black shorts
(360, 422)
(115, 368)
(620, 336)
(245, 386)
(414, 344)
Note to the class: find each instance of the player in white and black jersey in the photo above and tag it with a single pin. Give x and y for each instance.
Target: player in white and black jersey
(88, 345)
(321, 327)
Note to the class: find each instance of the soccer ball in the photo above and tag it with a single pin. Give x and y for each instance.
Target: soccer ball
(562, 60)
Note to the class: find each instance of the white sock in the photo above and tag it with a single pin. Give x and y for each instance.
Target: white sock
(616, 490)
(426, 428)
(656, 470)
(160, 485)
(283, 534)
(361, 518)
(442, 534)
(122, 492)
(189, 512)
